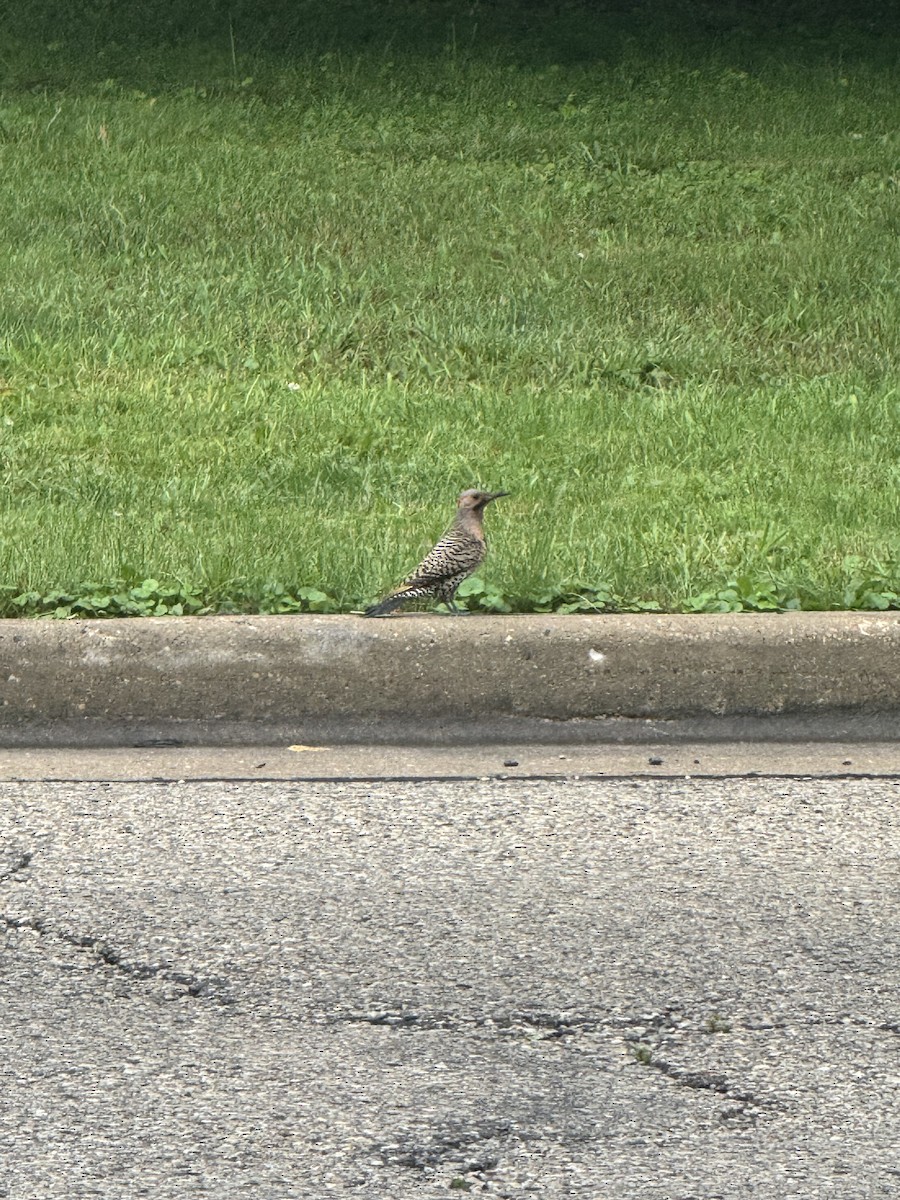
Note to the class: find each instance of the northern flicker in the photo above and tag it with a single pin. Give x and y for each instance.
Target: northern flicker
(459, 552)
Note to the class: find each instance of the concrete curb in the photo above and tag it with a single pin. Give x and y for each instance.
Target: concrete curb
(340, 679)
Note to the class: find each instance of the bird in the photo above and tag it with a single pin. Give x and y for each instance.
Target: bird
(458, 553)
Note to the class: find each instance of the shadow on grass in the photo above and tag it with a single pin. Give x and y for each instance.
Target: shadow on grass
(52, 45)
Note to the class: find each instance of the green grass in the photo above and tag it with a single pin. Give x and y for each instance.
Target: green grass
(263, 315)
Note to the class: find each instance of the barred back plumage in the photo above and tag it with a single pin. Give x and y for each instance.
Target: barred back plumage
(458, 553)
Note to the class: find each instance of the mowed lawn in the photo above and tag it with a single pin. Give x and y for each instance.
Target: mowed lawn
(264, 313)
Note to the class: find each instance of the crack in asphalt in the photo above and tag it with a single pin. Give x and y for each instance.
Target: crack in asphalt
(553, 1024)
(560, 1024)
(213, 988)
(709, 1081)
(746, 1104)
(17, 866)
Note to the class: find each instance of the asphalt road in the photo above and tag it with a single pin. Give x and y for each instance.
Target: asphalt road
(662, 989)
(513, 760)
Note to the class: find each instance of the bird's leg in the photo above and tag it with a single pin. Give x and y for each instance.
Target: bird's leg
(454, 610)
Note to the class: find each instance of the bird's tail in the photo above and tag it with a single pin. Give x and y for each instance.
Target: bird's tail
(387, 605)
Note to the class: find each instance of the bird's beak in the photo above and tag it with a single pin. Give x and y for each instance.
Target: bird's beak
(495, 496)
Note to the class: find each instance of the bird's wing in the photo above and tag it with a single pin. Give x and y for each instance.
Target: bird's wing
(446, 558)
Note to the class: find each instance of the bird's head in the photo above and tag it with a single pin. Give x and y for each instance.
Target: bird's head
(474, 500)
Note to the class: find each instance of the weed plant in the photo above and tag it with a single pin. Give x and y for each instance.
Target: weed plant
(274, 291)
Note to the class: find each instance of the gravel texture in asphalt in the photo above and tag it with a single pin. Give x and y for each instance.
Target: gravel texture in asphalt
(662, 989)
